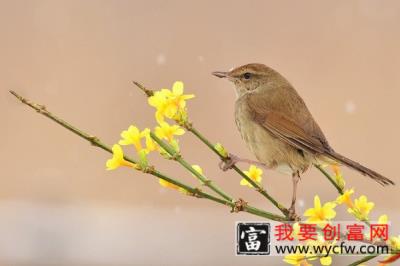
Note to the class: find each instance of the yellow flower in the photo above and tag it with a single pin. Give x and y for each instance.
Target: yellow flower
(296, 230)
(336, 169)
(324, 257)
(167, 132)
(324, 165)
(221, 150)
(254, 173)
(159, 100)
(167, 184)
(346, 198)
(361, 208)
(297, 259)
(151, 145)
(132, 136)
(197, 168)
(325, 260)
(320, 214)
(338, 176)
(178, 96)
(169, 103)
(395, 242)
(118, 159)
(383, 219)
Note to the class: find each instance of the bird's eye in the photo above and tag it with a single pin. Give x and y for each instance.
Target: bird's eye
(247, 75)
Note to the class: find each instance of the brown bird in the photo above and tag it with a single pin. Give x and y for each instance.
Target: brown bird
(278, 128)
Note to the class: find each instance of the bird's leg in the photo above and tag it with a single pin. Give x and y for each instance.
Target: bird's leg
(233, 159)
(292, 210)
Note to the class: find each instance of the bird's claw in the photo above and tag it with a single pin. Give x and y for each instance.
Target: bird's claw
(292, 215)
(228, 163)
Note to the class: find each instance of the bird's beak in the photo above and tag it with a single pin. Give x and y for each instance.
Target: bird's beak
(220, 74)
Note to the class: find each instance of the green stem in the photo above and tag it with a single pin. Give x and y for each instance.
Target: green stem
(340, 191)
(174, 154)
(256, 185)
(195, 132)
(190, 128)
(96, 142)
(264, 214)
(328, 176)
(194, 191)
(365, 259)
(42, 110)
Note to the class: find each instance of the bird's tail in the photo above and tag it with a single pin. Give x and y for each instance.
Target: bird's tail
(362, 169)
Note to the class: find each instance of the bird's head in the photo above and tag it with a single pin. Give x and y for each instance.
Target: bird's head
(250, 77)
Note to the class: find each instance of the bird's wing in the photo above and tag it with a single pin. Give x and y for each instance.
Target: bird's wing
(296, 126)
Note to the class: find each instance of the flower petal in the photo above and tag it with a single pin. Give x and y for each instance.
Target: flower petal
(309, 212)
(317, 202)
(326, 260)
(383, 219)
(177, 88)
(197, 168)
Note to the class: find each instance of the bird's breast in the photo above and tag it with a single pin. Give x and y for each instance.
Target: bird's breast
(259, 141)
(267, 148)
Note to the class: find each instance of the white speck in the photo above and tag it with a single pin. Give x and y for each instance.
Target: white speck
(177, 209)
(161, 59)
(200, 58)
(300, 202)
(350, 107)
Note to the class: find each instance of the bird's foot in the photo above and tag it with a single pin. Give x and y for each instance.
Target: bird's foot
(292, 214)
(233, 159)
(228, 163)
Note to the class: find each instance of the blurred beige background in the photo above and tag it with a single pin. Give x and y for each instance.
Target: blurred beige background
(59, 206)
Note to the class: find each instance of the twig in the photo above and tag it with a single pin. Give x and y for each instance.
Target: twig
(207, 182)
(341, 192)
(328, 176)
(144, 89)
(96, 142)
(42, 110)
(256, 185)
(189, 126)
(365, 259)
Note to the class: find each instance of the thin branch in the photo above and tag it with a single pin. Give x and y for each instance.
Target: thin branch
(328, 176)
(256, 185)
(42, 110)
(174, 154)
(189, 126)
(95, 141)
(144, 89)
(365, 259)
(341, 192)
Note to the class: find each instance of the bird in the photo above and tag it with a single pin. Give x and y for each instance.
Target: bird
(278, 128)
